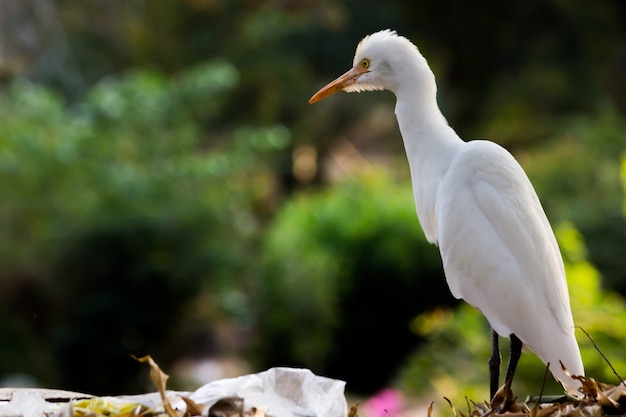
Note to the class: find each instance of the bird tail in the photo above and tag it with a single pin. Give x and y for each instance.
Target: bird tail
(565, 365)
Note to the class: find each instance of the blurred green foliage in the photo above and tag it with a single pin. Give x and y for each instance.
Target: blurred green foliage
(342, 271)
(120, 150)
(577, 175)
(623, 178)
(115, 216)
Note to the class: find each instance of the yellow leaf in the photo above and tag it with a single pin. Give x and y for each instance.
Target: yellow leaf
(100, 406)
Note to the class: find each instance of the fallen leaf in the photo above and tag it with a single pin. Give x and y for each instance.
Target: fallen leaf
(193, 408)
(159, 379)
(101, 406)
(354, 410)
(430, 409)
(227, 407)
(256, 412)
(504, 401)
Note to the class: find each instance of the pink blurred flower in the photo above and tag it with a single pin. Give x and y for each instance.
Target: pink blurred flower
(386, 403)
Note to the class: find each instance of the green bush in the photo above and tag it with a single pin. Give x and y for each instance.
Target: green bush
(122, 289)
(105, 201)
(345, 270)
(577, 176)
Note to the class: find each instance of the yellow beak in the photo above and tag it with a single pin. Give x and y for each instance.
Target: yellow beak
(338, 84)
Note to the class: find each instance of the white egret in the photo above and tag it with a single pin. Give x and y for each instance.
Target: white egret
(476, 203)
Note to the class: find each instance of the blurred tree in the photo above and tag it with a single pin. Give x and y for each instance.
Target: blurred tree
(121, 290)
(577, 175)
(623, 179)
(118, 218)
(498, 67)
(344, 273)
(507, 70)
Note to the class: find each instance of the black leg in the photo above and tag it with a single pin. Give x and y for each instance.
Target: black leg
(516, 352)
(494, 364)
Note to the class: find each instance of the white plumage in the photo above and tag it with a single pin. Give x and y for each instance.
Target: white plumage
(475, 201)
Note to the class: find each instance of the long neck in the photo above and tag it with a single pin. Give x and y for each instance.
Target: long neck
(424, 129)
(430, 145)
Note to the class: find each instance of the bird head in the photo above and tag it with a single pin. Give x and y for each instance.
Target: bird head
(380, 62)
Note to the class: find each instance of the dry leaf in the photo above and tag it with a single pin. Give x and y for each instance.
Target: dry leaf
(547, 410)
(159, 379)
(354, 410)
(193, 409)
(503, 400)
(451, 406)
(227, 407)
(255, 412)
(430, 409)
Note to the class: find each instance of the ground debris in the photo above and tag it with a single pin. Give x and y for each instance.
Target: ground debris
(595, 399)
(276, 392)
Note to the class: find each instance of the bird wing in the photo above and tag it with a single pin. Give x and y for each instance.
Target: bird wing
(497, 246)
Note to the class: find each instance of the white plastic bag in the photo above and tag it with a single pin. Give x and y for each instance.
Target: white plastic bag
(280, 392)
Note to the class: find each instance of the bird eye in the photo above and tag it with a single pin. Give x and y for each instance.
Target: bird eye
(365, 63)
